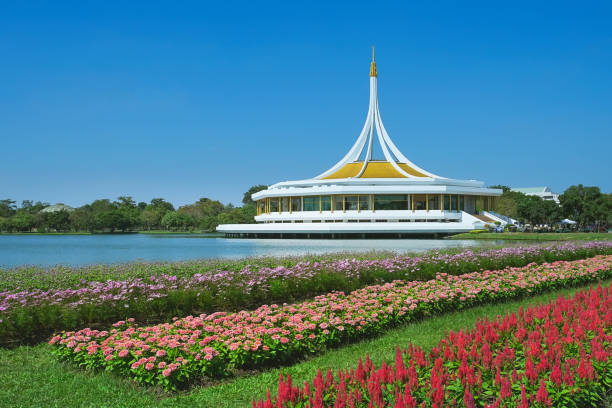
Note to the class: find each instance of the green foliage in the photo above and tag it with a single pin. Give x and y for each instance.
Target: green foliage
(588, 206)
(240, 215)
(535, 211)
(59, 220)
(204, 212)
(507, 203)
(528, 209)
(123, 214)
(246, 199)
(177, 221)
(23, 221)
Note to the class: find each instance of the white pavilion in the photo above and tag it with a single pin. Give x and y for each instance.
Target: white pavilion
(368, 196)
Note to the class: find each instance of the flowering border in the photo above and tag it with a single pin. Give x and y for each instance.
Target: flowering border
(171, 354)
(35, 313)
(557, 354)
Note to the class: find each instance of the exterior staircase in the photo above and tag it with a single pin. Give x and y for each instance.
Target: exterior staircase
(483, 218)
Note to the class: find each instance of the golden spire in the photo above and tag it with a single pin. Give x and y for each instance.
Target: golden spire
(373, 72)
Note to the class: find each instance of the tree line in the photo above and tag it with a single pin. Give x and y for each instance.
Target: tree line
(588, 206)
(124, 215)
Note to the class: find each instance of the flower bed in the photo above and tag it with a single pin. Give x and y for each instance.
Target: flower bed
(558, 354)
(29, 314)
(170, 354)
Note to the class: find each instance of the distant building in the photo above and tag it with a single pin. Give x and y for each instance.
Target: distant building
(542, 192)
(57, 207)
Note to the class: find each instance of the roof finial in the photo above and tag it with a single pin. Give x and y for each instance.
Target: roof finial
(373, 72)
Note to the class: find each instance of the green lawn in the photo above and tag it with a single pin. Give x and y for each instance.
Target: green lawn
(534, 236)
(30, 377)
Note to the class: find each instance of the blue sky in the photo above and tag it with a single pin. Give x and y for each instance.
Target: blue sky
(184, 100)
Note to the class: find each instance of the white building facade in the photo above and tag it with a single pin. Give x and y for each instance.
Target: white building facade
(363, 195)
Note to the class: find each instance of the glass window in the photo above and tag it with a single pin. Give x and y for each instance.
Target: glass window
(274, 205)
(364, 202)
(350, 203)
(311, 203)
(325, 203)
(446, 202)
(391, 202)
(433, 202)
(262, 206)
(419, 202)
(285, 204)
(454, 203)
(461, 203)
(338, 200)
(296, 204)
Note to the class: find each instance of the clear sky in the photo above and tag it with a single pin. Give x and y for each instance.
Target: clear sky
(184, 100)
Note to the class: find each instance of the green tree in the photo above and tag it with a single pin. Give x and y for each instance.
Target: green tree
(59, 220)
(161, 204)
(153, 213)
(552, 212)
(7, 207)
(239, 215)
(246, 199)
(82, 219)
(204, 212)
(150, 219)
(23, 221)
(535, 210)
(174, 220)
(100, 206)
(5, 224)
(585, 205)
(507, 203)
(125, 201)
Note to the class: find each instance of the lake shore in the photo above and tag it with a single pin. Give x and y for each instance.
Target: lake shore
(535, 236)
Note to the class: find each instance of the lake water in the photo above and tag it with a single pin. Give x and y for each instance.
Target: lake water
(46, 250)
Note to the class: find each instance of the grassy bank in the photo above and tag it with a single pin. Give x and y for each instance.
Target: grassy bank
(47, 233)
(533, 236)
(31, 377)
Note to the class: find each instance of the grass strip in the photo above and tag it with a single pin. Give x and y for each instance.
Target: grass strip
(31, 377)
(540, 236)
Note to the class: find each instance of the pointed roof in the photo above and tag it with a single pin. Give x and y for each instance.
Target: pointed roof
(394, 165)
